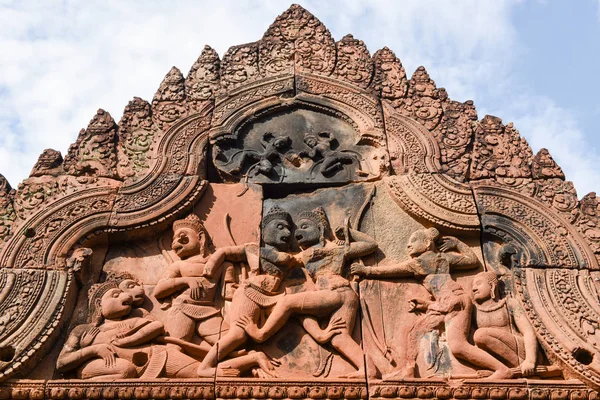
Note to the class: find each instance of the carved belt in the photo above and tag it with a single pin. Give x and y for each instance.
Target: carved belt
(198, 312)
(260, 296)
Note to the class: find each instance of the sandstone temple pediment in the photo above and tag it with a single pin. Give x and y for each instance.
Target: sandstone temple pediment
(299, 219)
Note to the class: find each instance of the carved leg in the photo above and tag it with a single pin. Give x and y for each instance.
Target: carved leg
(407, 357)
(461, 348)
(500, 343)
(98, 370)
(234, 338)
(179, 325)
(254, 359)
(315, 303)
(210, 329)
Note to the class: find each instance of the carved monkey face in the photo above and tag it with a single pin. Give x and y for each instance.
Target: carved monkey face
(307, 233)
(278, 233)
(418, 243)
(482, 289)
(135, 290)
(186, 243)
(116, 303)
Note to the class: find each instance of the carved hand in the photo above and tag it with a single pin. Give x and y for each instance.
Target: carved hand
(336, 325)
(108, 354)
(88, 337)
(196, 293)
(527, 368)
(418, 305)
(247, 324)
(359, 269)
(449, 243)
(193, 283)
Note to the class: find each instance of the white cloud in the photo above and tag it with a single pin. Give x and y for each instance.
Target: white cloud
(63, 60)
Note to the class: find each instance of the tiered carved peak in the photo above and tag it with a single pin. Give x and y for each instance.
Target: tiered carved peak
(390, 81)
(202, 82)
(7, 211)
(94, 153)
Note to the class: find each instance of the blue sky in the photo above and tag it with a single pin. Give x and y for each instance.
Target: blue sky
(535, 63)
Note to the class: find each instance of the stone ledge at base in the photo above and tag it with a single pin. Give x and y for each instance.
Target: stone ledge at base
(521, 389)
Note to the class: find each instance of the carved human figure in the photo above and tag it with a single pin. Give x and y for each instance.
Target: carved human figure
(109, 346)
(263, 162)
(117, 345)
(193, 310)
(502, 329)
(263, 288)
(332, 295)
(428, 261)
(448, 303)
(321, 151)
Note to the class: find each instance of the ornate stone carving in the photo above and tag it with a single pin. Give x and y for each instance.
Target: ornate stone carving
(49, 163)
(7, 211)
(423, 100)
(500, 152)
(94, 153)
(202, 82)
(335, 168)
(239, 65)
(136, 137)
(390, 77)
(168, 104)
(353, 62)
(544, 166)
(297, 42)
(454, 135)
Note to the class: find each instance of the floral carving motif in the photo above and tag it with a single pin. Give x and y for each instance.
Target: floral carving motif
(168, 104)
(586, 219)
(390, 77)
(297, 42)
(500, 152)
(7, 211)
(353, 62)
(94, 153)
(423, 100)
(544, 166)
(239, 65)
(202, 82)
(136, 135)
(454, 134)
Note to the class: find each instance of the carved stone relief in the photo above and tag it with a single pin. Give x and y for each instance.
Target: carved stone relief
(299, 220)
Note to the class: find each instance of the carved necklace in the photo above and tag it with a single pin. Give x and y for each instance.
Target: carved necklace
(491, 308)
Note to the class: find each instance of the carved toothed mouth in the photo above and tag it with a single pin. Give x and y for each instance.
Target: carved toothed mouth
(127, 302)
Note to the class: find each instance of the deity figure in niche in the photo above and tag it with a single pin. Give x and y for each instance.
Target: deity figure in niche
(501, 327)
(265, 286)
(330, 293)
(261, 162)
(331, 161)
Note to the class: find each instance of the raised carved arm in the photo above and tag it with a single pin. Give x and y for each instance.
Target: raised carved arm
(361, 245)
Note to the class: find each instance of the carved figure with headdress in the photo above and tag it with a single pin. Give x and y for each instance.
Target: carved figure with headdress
(331, 295)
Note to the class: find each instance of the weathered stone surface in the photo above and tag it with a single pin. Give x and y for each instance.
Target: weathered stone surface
(299, 220)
